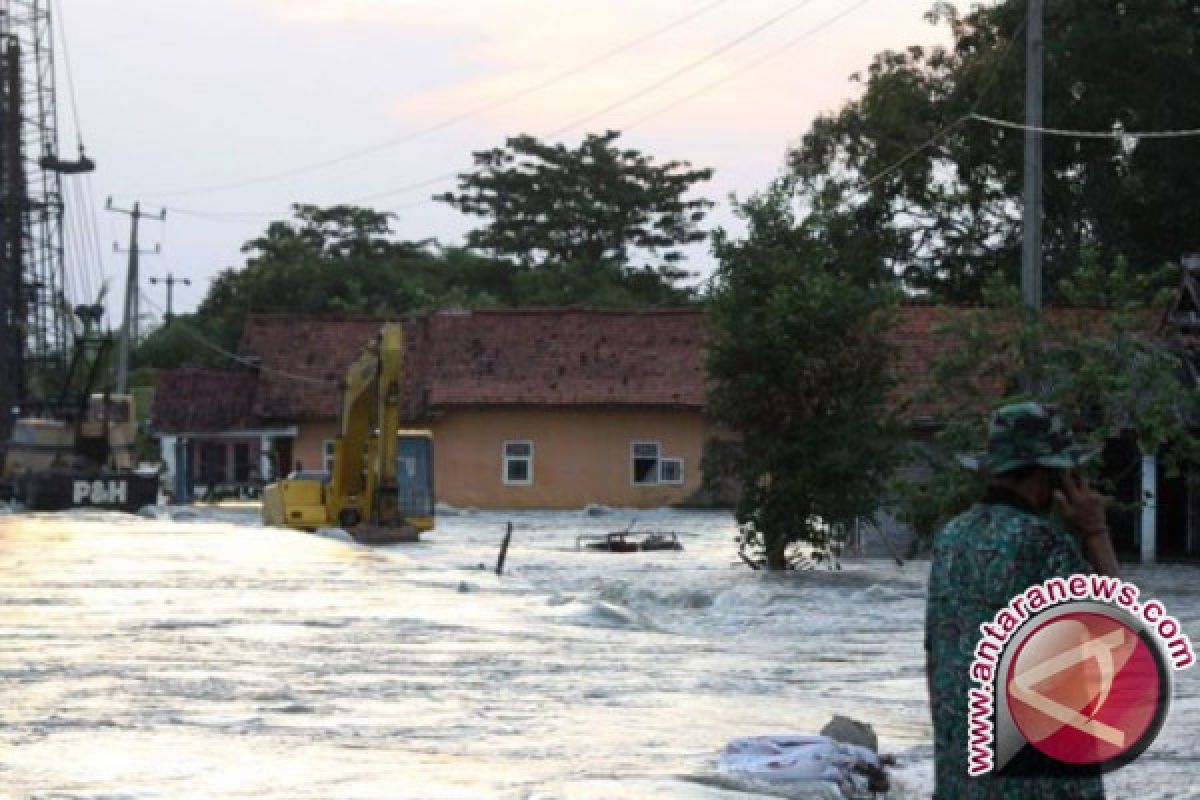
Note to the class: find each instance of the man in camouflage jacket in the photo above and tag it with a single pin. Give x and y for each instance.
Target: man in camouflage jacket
(984, 557)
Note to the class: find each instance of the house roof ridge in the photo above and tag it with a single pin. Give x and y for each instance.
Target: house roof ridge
(553, 310)
(323, 316)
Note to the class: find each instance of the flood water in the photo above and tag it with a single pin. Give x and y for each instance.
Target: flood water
(198, 655)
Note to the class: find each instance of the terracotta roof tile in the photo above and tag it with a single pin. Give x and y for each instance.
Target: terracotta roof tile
(548, 357)
(561, 358)
(202, 401)
(539, 357)
(303, 358)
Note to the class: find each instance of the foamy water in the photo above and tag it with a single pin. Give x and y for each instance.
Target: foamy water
(199, 655)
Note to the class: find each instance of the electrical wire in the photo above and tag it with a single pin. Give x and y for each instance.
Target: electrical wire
(454, 120)
(679, 72)
(916, 151)
(983, 93)
(683, 70)
(1077, 134)
(643, 91)
(778, 51)
(244, 361)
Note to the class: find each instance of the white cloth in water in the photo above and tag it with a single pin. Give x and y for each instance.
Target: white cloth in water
(796, 757)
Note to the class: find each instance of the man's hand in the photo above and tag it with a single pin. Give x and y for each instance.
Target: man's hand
(1080, 506)
(1083, 509)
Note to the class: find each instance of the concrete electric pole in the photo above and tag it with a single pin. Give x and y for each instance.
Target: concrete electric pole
(129, 322)
(170, 281)
(1031, 253)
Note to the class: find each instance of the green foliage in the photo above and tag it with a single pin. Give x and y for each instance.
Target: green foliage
(594, 210)
(800, 369)
(346, 260)
(1101, 362)
(946, 194)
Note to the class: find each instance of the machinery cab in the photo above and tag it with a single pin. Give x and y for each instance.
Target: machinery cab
(298, 501)
(380, 486)
(304, 500)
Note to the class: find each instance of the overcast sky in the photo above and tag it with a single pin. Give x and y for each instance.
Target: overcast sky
(177, 97)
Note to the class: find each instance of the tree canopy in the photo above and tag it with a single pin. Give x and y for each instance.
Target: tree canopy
(343, 259)
(1104, 366)
(943, 191)
(347, 260)
(800, 370)
(594, 209)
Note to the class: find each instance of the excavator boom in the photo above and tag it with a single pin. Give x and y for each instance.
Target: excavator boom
(367, 493)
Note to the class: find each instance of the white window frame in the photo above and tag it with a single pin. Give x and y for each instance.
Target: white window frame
(505, 458)
(633, 459)
(678, 481)
(328, 455)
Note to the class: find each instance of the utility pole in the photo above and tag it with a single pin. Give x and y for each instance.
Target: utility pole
(170, 281)
(1031, 253)
(129, 323)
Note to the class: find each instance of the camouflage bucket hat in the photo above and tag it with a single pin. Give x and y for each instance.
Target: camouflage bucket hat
(1025, 435)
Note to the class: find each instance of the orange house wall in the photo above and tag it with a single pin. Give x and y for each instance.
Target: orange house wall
(580, 456)
(309, 448)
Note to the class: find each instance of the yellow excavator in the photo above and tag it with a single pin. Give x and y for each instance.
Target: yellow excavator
(381, 487)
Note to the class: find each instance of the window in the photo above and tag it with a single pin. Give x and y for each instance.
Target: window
(329, 450)
(518, 463)
(645, 463)
(651, 468)
(670, 470)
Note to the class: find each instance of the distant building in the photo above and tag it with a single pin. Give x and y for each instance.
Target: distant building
(561, 408)
(529, 408)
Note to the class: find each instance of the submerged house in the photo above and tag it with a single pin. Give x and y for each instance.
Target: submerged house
(544, 408)
(560, 408)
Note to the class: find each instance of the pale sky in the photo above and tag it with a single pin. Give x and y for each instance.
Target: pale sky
(179, 96)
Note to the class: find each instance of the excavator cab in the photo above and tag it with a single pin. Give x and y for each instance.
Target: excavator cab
(297, 502)
(380, 487)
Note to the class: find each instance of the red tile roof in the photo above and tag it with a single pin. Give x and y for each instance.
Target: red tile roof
(302, 360)
(202, 400)
(547, 357)
(561, 358)
(540, 357)
(920, 342)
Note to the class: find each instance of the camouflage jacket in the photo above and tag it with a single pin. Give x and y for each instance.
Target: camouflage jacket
(981, 560)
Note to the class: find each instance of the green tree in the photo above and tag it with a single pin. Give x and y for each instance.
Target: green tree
(945, 191)
(343, 259)
(1102, 362)
(597, 215)
(799, 364)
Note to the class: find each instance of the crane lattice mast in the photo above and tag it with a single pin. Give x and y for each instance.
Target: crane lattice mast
(34, 311)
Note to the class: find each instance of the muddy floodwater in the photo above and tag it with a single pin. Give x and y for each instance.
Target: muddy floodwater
(193, 654)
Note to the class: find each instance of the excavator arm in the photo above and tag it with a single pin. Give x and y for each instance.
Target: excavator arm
(363, 493)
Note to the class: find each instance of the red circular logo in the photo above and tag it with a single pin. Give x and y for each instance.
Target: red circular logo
(1084, 688)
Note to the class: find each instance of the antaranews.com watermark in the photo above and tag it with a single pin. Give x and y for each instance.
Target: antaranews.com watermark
(1095, 623)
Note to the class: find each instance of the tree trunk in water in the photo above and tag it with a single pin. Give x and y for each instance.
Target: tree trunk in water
(775, 547)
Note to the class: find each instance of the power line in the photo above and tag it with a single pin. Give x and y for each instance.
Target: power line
(778, 51)
(1115, 133)
(678, 72)
(911, 154)
(686, 68)
(983, 93)
(454, 120)
(243, 360)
